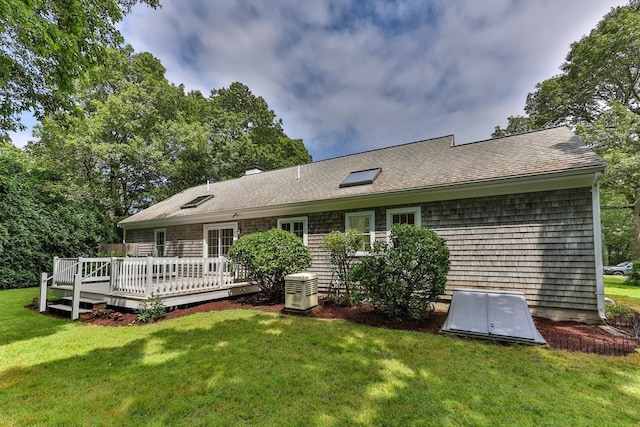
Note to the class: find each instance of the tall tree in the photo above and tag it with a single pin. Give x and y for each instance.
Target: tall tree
(598, 93)
(617, 228)
(601, 69)
(242, 132)
(45, 45)
(262, 139)
(515, 124)
(121, 145)
(138, 138)
(40, 220)
(615, 135)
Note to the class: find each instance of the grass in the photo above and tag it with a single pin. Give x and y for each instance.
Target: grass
(243, 367)
(627, 295)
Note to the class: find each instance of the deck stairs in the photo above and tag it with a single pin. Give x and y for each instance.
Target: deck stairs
(125, 282)
(87, 305)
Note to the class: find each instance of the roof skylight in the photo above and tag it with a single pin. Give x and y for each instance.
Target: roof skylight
(361, 177)
(196, 202)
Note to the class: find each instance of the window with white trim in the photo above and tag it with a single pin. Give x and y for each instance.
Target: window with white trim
(159, 241)
(409, 215)
(218, 238)
(365, 223)
(297, 226)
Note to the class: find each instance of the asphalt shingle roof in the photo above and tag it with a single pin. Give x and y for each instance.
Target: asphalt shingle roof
(419, 165)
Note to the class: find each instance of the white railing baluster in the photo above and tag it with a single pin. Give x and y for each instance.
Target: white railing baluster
(170, 276)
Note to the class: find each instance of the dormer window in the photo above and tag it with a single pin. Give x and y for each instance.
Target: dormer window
(362, 177)
(197, 201)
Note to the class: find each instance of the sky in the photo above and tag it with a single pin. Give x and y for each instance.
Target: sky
(347, 76)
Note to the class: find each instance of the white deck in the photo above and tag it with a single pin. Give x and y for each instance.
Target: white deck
(101, 291)
(124, 282)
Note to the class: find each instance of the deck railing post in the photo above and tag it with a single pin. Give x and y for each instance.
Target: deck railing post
(75, 302)
(56, 268)
(149, 276)
(112, 273)
(43, 292)
(80, 269)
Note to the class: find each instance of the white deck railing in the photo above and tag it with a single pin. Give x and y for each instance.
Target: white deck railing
(171, 276)
(144, 277)
(91, 270)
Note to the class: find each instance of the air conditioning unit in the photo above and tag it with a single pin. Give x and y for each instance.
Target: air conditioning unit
(300, 291)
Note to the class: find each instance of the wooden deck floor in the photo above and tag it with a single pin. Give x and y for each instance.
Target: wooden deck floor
(101, 290)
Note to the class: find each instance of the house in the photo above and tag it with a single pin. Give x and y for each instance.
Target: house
(518, 213)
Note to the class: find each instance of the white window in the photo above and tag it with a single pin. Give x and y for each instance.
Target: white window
(159, 242)
(410, 215)
(297, 226)
(365, 223)
(218, 238)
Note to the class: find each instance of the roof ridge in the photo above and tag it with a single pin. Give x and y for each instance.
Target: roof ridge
(518, 134)
(403, 144)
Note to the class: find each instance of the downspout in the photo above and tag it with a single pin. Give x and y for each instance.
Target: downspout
(597, 245)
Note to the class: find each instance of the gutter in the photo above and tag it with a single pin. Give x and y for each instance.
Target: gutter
(583, 177)
(597, 245)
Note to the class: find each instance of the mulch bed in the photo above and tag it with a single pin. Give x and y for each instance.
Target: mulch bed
(570, 336)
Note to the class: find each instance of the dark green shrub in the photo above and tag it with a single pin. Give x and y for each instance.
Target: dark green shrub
(342, 248)
(633, 278)
(41, 217)
(269, 256)
(151, 309)
(404, 277)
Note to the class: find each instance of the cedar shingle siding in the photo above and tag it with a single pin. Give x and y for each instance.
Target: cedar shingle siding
(540, 244)
(517, 212)
(537, 243)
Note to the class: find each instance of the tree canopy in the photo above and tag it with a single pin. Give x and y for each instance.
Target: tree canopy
(598, 94)
(45, 45)
(136, 138)
(39, 220)
(114, 136)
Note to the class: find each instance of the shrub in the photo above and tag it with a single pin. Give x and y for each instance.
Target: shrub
(404, 277)
(633, 278)
(342, 249)
(101, 312)
(269, 256)
(151, 309)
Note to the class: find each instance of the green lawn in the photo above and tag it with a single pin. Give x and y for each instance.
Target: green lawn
(244, 367)
(626, 295)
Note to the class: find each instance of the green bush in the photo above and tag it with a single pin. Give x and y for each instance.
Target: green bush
(633, 278)
(40, 217)
(269, 256)
(151, 309)
(404, 277)
(342, 249)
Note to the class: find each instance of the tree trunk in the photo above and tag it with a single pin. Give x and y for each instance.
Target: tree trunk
(636, 223)
(113, 193)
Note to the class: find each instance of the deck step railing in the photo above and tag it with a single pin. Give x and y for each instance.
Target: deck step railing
(141, 277)
(90, 269)
(64, 271)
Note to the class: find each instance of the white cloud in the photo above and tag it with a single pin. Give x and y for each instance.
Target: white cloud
(347, 76)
